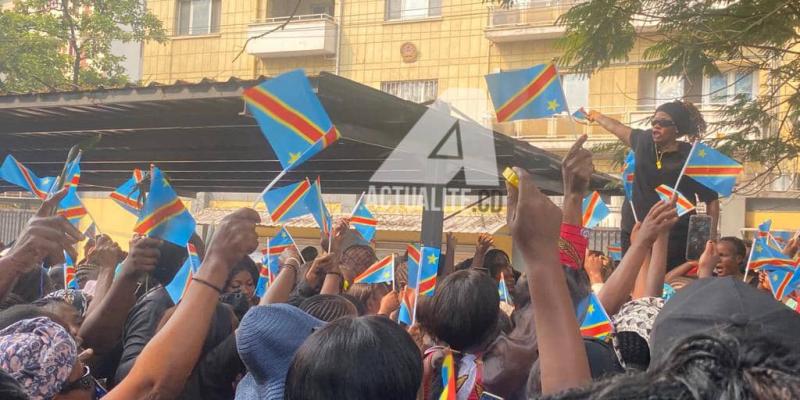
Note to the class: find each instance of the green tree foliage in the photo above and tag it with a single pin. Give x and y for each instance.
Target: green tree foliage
(66, 44)
(695, 38)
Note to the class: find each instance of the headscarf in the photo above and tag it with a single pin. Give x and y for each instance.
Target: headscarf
(39, 354)
(73, 297)
(636, 316)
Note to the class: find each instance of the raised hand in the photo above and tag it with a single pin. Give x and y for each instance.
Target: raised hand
(143, 257)
(661, 218)
(105, 253)
(389, 303)
(708, 260)
(290, 255)
(44, 236)
(577, 169)
(339, 230)
(235, 238)
(485, 241)
(534, 220)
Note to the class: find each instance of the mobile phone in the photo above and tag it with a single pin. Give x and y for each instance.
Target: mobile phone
(699, 234)
(488, 396)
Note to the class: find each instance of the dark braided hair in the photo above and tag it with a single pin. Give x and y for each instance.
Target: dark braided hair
(686, 116)
(724, 365)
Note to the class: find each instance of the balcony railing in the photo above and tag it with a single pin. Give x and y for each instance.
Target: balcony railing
(527, 21)
(558, 133)
(304, 35)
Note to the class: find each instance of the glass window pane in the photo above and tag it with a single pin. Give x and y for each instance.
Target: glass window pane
(434, 8)
(668, 89)
(216, 7)
(184, 11)
(718, 88)
(200, 17)
(393, 9)
(414, 9)
(744, 84)
(576, 89)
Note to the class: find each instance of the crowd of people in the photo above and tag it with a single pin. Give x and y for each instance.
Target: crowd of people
(315, 334)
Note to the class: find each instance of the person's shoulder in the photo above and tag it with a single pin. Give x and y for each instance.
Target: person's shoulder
(641, 138)
(684, 147)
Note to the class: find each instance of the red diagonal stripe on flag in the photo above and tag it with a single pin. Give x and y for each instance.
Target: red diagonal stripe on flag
(284, 113)
(159, 216)
(290, 201)
(587, 216)
(599, 329)
(707, 170)
(519, 100)
(363, 221)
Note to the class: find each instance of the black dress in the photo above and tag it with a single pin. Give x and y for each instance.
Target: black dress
(647, 177)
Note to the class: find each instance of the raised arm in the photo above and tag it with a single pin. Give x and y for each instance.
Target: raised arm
(619, 285)
(654, 283)
(105, 323)
(618, 129)
(576, 171)
(279, 291)
(535, 228)
(450, 255)
(105, 255)
(485, 241)
(167, 361)
(44, 236)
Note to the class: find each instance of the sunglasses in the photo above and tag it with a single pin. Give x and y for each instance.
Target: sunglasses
(664, 123)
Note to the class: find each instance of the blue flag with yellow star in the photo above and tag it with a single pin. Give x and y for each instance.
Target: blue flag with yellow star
(291, 117)
(163, 214)
(380, 272)
(530, 93)
(428, 268)
(596, 322)
(712, 169)
(782, 281)
(765, 255)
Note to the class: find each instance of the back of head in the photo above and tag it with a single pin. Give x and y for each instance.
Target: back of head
(309, 253)
(363, 358)
(495, 260)
(266, 341)
(56, 275)
(369, 295)
(39, 354)
(721, 365)
(328, 307)
(463, 311)
(32, 284)
(358, 258)
(713, 303)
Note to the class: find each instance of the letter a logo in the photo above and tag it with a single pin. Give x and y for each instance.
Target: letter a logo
(437, 148)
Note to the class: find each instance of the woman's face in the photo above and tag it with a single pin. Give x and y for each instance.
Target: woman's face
(664, 129)
(243, 283)
(729, 262)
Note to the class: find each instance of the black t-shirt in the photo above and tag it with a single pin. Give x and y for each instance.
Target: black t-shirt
(647, 177)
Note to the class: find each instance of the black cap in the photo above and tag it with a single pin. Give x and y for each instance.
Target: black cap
(711, 304)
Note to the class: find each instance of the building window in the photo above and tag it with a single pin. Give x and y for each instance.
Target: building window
(198, 17)
(723, 88)
(668, 89)
(576, 90)
(416, 91)
(412, 9)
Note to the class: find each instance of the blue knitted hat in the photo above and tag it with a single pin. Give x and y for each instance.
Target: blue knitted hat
(267, 339)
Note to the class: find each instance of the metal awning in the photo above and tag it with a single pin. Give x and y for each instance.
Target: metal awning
(197, 133)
